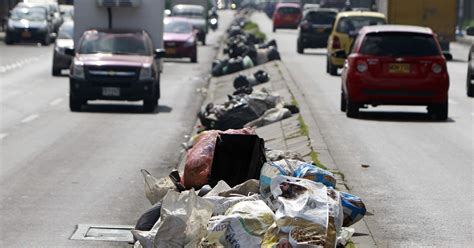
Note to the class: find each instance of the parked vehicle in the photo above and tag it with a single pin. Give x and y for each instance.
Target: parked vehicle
(121, 62)
(287, 15)
(196, 15)
(439, 15)
(395, 65)
(470, 74)
(64, 41)
(315, 29)
(180, 38)
(52, 8)
(29, 23)
(345, 29)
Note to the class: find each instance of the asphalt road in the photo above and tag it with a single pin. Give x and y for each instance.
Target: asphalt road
(420, 181)
(59, 168)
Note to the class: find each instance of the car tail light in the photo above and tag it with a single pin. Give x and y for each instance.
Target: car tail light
(336, 43)
(436, 68)
(362, 66)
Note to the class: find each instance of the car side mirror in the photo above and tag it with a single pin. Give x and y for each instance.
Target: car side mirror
(159, 53)
(70, 51)
(340, 54)
(470, 31)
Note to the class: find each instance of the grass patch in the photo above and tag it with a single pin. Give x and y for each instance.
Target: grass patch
(350, 244)
(303, 127)
(252, 28)
(293, 101)
(315, 158)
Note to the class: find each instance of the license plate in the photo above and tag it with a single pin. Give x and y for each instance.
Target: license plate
(26, 34)
(171, 51)
(399, 68)
(110, 91)
(320, 30)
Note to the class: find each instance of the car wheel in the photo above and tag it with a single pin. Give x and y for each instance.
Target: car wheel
(203, 40)
(343, 102)
(274, 29)
(332, 69)
(8, 40)
(352, 109)
(327, 65)
(75, 103)
(469, 86)
(56, 72)
(46, 41)
(299, 47)
(150, 102)
(439, 111)
(194, 57)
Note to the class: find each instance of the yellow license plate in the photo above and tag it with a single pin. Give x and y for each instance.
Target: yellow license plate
(26, 34)
(399, 68)
(171, 51)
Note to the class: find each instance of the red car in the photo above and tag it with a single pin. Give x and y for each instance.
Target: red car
(286, 15)
(180, 38)
(395, 65)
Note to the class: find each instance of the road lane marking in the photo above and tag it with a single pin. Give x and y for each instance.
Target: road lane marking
(56, 102)
(30, 118)
(19, 63)
(3, 135)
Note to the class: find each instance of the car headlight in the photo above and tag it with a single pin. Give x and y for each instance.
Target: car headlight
(146, 73)
(78, 71)
(213, 21)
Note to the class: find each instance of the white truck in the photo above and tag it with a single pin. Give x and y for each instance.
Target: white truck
(118, 51)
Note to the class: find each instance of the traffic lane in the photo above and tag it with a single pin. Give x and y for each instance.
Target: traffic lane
(16, 56)
(68, 168)
(419, 169)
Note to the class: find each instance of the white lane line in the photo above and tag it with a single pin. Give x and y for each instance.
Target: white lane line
(56, 102)
(450, 101)
(3, 135)
(30, 118)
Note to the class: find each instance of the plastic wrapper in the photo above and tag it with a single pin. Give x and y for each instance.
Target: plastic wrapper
(243, 225)
(316, 174)
(308, 213)
(354, 208)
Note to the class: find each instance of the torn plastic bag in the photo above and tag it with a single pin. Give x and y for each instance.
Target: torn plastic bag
(246, 188)
(273, 54)
(156, 189)
(237, 158)
(295, 168)
(243, 225)
(354, 208)
(236, 117)
(223, 203)
(184, 220)
(200, 157)
(307, 213)
(270, 116)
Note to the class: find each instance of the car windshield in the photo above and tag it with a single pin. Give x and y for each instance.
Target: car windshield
(320, 17)
(188, 12)
(127, 44)
(288, 10)
(177, 27)
(66, 31)
(397, 44)
(31, 14)
(355, 23)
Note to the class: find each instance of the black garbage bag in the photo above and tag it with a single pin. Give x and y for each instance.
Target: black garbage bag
(241, 81)
(235, 65)
(236, 117)
(243, 91)
(292, 108)
(218, 67)
(237, 158)
(268, 44)
(273, 54)
(148, 219)
(261, 76)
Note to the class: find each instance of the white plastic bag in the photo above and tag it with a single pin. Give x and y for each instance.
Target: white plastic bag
(156, 188)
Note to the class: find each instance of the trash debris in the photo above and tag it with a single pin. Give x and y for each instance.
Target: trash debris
(275, 155)
(354, 209)
(156, 189)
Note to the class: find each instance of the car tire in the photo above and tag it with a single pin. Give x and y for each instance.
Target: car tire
(203, 40)
(8, 40)
(194, 57)
(46, 41)
(352, 109)
(343, 102)
(327, 66)
(469, 86)
(150, 102)
(56, 72)
(439, 111)
(274, 29)
(75, 103)
(299, 47)
(332, 69)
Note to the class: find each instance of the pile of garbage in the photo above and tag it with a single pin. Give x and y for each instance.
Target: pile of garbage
(246, 107)
(234, 193)
(244, 50)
